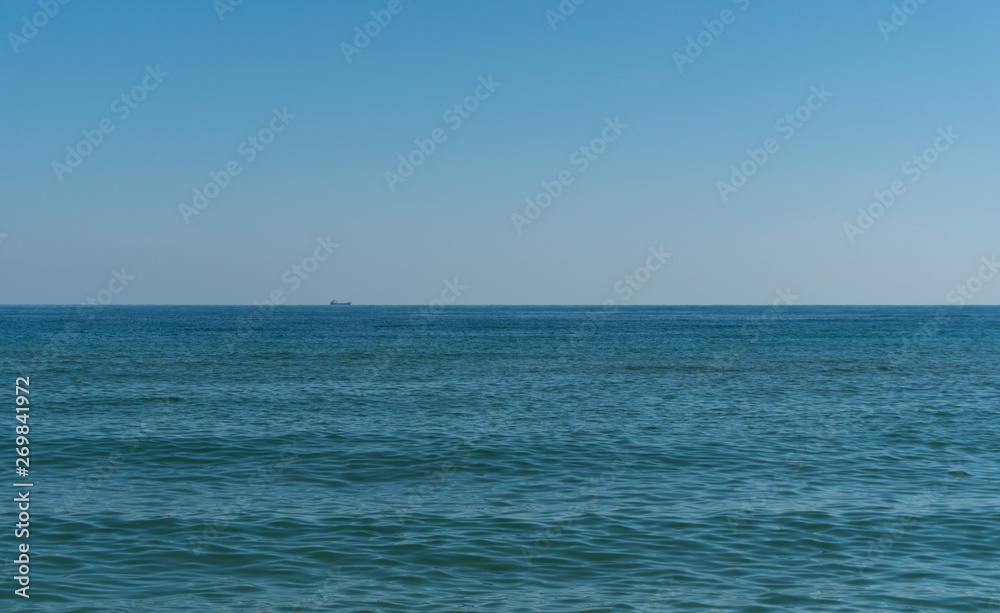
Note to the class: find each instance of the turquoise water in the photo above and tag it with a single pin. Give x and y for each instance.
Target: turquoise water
(508, 459)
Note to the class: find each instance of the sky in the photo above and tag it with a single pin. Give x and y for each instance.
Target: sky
(499, 152)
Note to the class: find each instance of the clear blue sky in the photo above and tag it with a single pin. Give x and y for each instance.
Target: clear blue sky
(656, 184)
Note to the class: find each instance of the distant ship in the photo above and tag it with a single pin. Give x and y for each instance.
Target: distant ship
(335, 303)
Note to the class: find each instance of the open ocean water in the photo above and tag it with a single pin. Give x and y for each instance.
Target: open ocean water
(507, 458)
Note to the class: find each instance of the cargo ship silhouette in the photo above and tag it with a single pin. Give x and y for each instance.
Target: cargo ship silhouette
(335, 303)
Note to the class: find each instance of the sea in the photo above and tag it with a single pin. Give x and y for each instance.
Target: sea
(509, 459)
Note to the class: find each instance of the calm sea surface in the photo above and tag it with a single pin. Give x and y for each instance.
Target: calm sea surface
(506, 459)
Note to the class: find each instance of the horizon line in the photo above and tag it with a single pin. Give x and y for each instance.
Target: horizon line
(151, 304)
